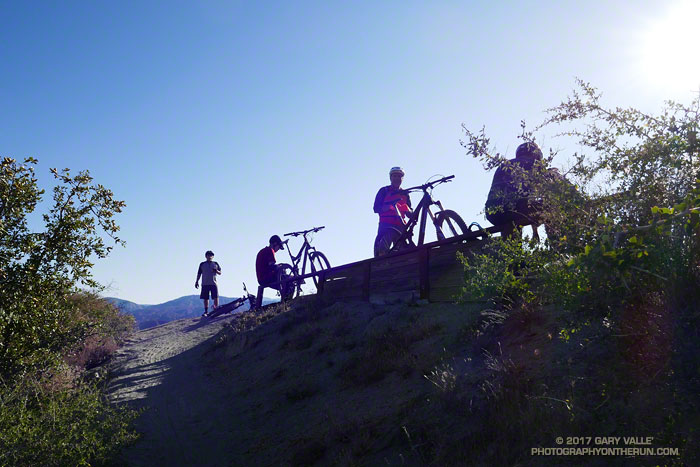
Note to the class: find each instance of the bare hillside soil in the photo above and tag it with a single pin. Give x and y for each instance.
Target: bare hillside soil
(362, 384)
(282, 386)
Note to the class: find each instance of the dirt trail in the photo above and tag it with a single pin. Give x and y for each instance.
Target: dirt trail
(297, 386)
(160, 371)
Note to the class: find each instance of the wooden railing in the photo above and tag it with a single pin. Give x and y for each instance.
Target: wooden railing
(429, 272)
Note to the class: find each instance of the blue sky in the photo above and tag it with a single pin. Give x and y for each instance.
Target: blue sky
(222, 123)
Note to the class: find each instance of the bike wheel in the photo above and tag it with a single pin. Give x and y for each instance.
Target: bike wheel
(386, 242)
(291, 289)
(448, 224)
(319, 262)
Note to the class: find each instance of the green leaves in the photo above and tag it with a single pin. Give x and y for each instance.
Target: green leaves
(40, 270)
(42, 320)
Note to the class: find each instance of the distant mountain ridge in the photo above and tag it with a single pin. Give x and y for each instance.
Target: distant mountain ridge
(189, 306)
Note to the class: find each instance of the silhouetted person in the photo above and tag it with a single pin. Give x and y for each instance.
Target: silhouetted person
(390, 217)
(510, 203)
(267, 270)
(208, 270)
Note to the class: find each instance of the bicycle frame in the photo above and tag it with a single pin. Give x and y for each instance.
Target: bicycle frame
(423, 209)
(304, 251)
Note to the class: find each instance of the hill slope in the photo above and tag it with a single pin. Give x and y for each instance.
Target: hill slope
(361, 384)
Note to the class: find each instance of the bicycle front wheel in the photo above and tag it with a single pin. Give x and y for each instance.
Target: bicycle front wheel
(319, 262)
(448, 224)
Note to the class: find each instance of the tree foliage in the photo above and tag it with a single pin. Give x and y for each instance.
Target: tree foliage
(620, 269)
(51, 329)
(628, 213)
(40, 271)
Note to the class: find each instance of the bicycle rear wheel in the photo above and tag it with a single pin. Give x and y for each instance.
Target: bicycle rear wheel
(386, 242)
(290, 289)
(448, 224)
(318, 262)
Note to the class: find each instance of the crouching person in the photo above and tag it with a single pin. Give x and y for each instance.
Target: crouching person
(511, 203)
(267, 270)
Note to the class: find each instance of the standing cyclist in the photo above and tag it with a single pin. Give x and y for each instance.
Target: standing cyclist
(208, 271)
(384, 202)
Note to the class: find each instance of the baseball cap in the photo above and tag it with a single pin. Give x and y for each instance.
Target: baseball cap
(276, 239)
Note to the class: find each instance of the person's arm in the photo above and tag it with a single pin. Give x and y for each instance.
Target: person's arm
(218, 268)
(199, 274)
(379, 200)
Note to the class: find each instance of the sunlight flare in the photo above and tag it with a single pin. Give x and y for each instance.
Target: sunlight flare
(669, 48)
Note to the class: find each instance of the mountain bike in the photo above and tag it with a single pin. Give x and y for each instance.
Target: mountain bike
(447, 223)
(237, 303)
(317, 261)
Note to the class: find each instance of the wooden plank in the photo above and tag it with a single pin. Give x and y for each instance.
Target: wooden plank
(344, 283)
(394, 286)
(391, 263)
(366, 277)
(424, 278)
(431, 271)
(443, 257)
(321, 283)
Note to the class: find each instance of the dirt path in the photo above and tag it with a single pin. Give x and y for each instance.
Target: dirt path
(160, 371)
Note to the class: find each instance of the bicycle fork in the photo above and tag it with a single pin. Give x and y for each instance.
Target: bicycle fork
(438, 229)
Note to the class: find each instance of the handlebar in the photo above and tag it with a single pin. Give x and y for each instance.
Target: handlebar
(429, 184)
(304, 232)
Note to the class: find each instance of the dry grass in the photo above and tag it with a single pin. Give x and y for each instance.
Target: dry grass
(431, 385)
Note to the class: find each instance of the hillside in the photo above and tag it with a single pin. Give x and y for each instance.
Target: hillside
(362, 384)
(189, 306)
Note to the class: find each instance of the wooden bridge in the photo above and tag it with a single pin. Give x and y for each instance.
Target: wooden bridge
(429, 272)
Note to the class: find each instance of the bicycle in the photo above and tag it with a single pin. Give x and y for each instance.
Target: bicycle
(447, 223)
(237, 303)
(317, 261)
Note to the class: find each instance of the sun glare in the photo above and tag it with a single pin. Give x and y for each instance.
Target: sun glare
(670, 47)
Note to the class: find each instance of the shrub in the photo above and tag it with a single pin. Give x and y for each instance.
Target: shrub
(73, 426)
(50, 415)
(621, 267)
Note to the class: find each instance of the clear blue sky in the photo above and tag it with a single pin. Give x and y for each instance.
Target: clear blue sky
(222, 123)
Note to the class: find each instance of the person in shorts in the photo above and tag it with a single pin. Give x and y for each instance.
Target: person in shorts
(208, 270)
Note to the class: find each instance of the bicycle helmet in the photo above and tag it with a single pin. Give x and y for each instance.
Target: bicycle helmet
(528, 150)
(396, 170)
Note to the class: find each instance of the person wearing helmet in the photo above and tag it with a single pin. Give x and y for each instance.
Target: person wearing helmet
(510, 202)
(266, 267)
(208, 270)
(386, 198)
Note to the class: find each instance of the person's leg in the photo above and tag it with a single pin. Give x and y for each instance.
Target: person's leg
(510, 230)
(259, 297)
(204, 295)
(207, 291)
(215, 296)
(506, 221)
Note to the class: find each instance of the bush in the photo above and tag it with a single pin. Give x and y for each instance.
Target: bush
(620, 271)
(49, 427)
(50, 414)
